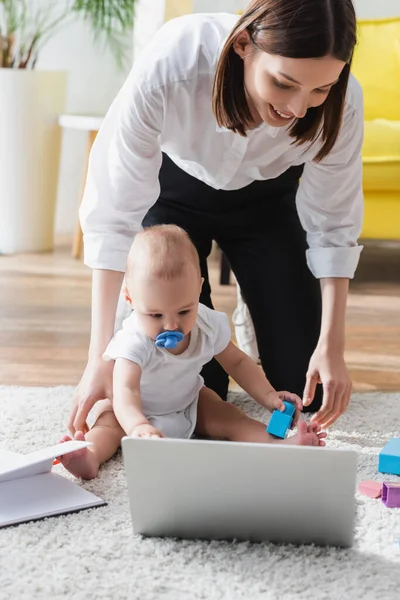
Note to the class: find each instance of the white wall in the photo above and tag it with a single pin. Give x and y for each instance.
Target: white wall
(366, 9)
(371, 9)
(219, 5)
(93, 82)
(149, 17)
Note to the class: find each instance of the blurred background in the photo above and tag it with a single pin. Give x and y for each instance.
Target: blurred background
(61, 64)
(94, 80)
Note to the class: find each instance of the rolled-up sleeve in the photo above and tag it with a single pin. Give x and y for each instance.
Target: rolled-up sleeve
(122, 181)
(330, 201)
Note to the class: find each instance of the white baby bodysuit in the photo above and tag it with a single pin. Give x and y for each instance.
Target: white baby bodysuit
(170, 384)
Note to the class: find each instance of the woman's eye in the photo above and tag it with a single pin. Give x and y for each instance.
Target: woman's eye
(281, 86)
(325, 92)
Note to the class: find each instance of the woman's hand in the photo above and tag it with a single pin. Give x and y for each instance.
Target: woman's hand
(328, 367)
(96, 384)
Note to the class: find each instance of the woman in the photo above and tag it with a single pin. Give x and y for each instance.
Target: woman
(217, 122)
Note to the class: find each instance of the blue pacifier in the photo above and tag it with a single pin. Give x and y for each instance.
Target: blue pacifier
(169, 339)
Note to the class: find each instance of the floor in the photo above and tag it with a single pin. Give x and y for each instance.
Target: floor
(45, 317)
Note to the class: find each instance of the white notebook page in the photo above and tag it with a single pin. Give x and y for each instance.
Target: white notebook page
(41, 496)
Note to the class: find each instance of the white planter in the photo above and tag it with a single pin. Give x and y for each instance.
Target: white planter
(30, 102)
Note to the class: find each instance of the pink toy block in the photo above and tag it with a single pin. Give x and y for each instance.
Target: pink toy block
(372, 489)
(391, 495)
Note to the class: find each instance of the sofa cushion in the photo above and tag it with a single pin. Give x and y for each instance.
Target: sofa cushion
(381, 155)
(381, 177)
(376, 65)
(382, 215)
(381, 141)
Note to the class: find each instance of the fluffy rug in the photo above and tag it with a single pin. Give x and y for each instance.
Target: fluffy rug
(93, 554)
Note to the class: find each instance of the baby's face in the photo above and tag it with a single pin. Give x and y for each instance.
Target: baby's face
(166, 305)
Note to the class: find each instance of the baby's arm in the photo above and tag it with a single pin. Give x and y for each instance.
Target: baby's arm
(253, 380)
(127, 403)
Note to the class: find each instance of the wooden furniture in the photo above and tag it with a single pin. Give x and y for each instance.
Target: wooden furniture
(91, 124)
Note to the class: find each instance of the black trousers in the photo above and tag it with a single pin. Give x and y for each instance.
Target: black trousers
(258, 229)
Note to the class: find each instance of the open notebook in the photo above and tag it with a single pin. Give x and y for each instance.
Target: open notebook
(30, 491)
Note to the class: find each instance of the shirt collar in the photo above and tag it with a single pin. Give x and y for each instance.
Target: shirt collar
(272, 131)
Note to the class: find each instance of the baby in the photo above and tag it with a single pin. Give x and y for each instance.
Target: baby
(158, 391)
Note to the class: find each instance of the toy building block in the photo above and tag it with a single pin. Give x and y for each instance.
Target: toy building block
(372, 489)
(389, 458)
(280, 422)
(391, 495)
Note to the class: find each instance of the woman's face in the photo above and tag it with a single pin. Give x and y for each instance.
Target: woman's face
(281, 89)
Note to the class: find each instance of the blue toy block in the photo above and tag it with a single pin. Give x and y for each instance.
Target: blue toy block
(290, 408)
(280, 422)
(389, 458)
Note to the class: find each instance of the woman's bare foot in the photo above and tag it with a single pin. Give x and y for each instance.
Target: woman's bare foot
(307, 435)
(81, 463)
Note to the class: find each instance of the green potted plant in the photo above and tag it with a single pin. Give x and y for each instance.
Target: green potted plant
(30, 102)
(26, 25)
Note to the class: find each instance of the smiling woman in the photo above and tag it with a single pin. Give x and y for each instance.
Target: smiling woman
(217, 121)
(290, 68)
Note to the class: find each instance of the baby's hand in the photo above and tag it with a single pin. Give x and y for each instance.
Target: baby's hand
(145, 430)
(274, 401)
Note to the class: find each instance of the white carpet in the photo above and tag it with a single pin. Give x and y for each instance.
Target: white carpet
(93, 554)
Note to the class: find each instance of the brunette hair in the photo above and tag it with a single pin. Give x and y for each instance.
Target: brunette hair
(294, 29)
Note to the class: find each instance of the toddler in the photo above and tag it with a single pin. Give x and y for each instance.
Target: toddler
(158, 391)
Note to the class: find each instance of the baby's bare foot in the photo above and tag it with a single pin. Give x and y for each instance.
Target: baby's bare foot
(307, 435)
(81, 463)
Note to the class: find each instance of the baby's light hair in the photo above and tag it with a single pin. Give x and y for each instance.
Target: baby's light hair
(162, 251)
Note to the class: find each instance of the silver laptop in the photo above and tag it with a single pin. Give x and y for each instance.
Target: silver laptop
(227, 490)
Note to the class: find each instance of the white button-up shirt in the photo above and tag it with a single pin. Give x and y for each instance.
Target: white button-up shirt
(165, 106)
